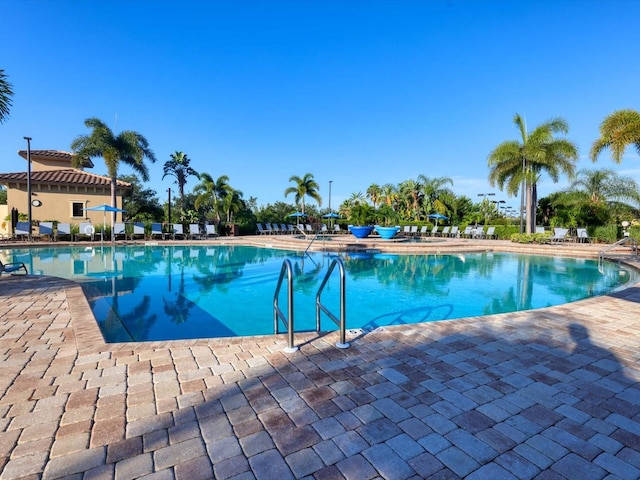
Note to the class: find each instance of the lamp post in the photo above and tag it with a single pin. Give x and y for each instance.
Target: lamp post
(28, 139)
(484, 204)
(330, 212)
(169, 207)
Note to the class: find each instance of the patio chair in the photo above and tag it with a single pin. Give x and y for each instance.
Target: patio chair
(414, 230)
(268, 229)
(324, 230)
(291, 229)
(23, 230)
(63, 230)
(582, 235)
(45, 229)
(423, 231)
(540, 230)
(156, 230)
(445, 231)
(138, 230)
(210, 230)
(308, 228)
(177, 231)
(406, 230)
(336, 228)
(467, 232)
(85, 230)
(261, 229)
(434, 231)
(119, 231)
(490, 233)
(275, 228)
(194, 231)
(13, 267)
(454, 231)
(559, 235)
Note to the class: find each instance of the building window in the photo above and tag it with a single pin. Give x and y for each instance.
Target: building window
(77, 209)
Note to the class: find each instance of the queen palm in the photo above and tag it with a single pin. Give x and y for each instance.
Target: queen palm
(374, 193)
(617, 132)
(304, 187)
(128, 147)
(432, 190)
(6, 92)
(605, 185)
(210, 191)
(179, 168)
(513, 163)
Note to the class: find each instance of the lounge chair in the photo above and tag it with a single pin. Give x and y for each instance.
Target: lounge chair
(308, 228)
(275, 228)
(434, 231)
(423, 231)
(414, 230)
(23, 230)
(45, 228)
(63, 230)
(337, 229)
(268, 229)
(210, 230)
(454, 231)
(177, 231)
(261, 229)
(406, 230)
(324, 230)
(138, 230)
(445, 231)
(559, 235)
(194, 231)
(119, 231)
(291, 229)
(490, 233)
(467, 232)
(156, 230)
(13, 267)
(582, 235)
(86, 230)
(540, 230)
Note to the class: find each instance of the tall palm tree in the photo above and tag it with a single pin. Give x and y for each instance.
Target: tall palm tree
(128, 147)
(374, 193)
(617, 132)
(179, 168)
(210, 191)
(304, 187)
(432, 190)
(513, 163)
(389, 194)
(6, 92)
(231, 203)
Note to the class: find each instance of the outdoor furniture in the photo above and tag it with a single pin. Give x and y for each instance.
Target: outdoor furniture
(13, 267)
(414, 230)
(582, 236)
(490, 233)
(467, 232)
(156, 230)
(63, 230)
(138, 230)
(119, 231)
(423, 231)
(177, 231)
(45, 228)
(434, 231)
(86, 230)
(23, 230)
(445, 231)
(454, 231)
(210, 230)
(194, 231)
(559, 235)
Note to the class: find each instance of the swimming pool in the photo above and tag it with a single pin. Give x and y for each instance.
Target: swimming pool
(160, 292)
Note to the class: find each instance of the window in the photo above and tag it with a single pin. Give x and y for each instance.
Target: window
(77, 209)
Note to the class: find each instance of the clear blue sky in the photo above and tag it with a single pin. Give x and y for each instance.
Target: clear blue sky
(357, 92)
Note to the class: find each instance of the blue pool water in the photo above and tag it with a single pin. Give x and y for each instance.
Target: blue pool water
(141, 293)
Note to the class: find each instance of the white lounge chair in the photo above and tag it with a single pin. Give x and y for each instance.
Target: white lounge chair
(210, 230)
(406, 230)
(45, 228)
(582, 235)
(445, 231)
(177, 231)
(85, 230)
(434, 231)
(423, 231)
(454, 231)
(63, 230)
(194, 231)
(119, 231)
(467, 232)
(559, 235)
(138, 230)
(414, 230)
(490, 233)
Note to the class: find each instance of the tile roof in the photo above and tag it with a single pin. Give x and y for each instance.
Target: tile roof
(69, 176)
(58, 154)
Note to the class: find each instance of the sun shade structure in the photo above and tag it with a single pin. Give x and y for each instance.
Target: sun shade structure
(104, 208)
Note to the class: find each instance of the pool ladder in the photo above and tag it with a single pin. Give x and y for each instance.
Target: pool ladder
(279, 316)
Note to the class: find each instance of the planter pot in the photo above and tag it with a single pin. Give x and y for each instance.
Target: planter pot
(387, 233)
(360, 231)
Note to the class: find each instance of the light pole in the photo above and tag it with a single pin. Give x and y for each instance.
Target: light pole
(169, 207)
(330, 182)
(484, 204)
(522, 196)
(28, 139)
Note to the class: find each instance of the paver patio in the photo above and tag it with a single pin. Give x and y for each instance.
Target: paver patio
(548, 394)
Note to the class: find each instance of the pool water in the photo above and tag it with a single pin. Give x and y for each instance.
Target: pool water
(144, 293)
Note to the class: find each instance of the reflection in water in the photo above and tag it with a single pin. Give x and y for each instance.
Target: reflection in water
(168, 292)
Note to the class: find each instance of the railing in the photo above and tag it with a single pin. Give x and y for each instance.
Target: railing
(278, 315)
(633, 244)
(342, 322)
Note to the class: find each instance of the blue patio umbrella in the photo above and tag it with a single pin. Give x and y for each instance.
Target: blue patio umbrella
(437, 216)
(298, 215)
(104, 208)
(331, 215)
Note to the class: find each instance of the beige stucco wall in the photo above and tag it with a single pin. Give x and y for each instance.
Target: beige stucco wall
(4, 224)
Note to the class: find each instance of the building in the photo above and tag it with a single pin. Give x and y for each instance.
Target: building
(59, 192)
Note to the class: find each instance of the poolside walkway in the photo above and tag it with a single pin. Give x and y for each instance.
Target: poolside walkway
(548, 394)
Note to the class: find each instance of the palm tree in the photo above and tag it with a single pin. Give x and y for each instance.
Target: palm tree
(514, 163)
(305, 187)
(432, 190)
(179, 168)
(374, 193)
(210, 191)
(232, 203)
(6, 92)
(128, 147)
(617, 132)
(605, 185)
(389, 194)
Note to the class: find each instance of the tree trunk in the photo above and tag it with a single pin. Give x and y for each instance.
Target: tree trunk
(534, 207)
(113, 199)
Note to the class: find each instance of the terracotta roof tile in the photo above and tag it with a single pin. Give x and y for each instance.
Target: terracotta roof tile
(53, 154)
(67, 176)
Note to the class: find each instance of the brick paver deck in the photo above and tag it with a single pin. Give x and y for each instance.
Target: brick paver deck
(549, 394)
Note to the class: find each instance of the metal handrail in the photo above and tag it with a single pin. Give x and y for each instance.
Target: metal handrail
(277, 313)
(311, 242)
(622, 241)
(342, 322)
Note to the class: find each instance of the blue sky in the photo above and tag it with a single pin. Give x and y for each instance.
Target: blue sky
(356, 92)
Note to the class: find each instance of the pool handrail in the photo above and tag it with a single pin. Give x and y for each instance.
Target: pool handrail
(342, 322)
(277, 313)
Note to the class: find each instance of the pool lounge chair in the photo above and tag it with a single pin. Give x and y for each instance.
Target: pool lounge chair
(177, 231)
(559, 235)
(291, 229)
(406, 230)
(445, 231)
(22, 231)
(582, 236)
(423, 231)
(261, 230)
(119, 231)
(45, 229)
(414, 230)
(490, 233)
(540, 230)
(275, 228)
(138, 230)
(210, 230)
(434, 231)
(12, 268)
(337, 229)
(63, 230)
(467, 232)
(453, 233)
(85, 230)
(156, 230)
(194, 231)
